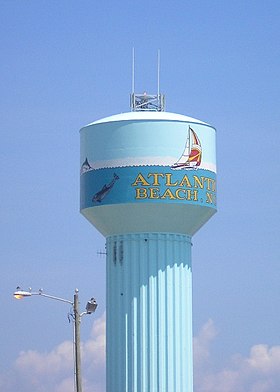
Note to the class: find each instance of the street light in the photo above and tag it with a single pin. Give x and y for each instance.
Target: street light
(77, 316)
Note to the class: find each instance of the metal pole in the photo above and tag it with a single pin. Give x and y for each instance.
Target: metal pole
(158, 74)
(77, 335)
(90, 308)
(133, 71)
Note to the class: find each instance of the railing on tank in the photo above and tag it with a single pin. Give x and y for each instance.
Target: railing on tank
(145, 102)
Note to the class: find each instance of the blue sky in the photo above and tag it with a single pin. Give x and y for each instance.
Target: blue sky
(66, 64)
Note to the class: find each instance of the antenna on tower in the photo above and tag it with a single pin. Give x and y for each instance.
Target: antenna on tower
(133, 71)
(146, 102)
(158, 71)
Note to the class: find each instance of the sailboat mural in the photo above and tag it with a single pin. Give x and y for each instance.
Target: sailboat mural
(192, 154)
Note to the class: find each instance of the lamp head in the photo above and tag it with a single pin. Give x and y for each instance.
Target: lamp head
(19, 294)
(91, 306)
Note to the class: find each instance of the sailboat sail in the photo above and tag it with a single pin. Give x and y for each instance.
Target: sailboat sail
(192, 153)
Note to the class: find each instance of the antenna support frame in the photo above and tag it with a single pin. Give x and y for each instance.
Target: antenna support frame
(146, 102)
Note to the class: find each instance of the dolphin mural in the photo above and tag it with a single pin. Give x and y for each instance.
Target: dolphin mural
(99, 196)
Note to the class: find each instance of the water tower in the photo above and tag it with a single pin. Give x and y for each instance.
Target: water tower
(148, 184)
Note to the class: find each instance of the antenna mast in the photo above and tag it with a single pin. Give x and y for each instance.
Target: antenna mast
(133, 71)
(158, 71)
(146, 102)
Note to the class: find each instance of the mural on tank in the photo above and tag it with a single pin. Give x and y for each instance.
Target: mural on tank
(159, 162)
(99, 196)
(191, 157)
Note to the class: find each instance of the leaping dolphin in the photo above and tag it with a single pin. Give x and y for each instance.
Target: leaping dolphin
(99, 196)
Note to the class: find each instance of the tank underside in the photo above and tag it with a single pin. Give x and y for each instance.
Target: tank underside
(133, 218)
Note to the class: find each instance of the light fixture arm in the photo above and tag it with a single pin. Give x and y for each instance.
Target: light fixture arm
(77, 316)
(53, 297)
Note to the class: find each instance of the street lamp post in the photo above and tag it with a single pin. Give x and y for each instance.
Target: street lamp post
(77, 322)
(90, 308)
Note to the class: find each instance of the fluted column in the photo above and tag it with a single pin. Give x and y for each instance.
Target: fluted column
(149, 313)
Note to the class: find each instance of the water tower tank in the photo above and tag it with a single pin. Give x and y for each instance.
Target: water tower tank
(148, 183)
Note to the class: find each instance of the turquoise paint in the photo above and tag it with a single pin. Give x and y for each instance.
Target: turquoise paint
(149, 313)
(152, 184)
(120, 140)
(148, 210)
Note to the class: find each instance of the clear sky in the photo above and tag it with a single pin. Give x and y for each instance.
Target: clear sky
(67, 63)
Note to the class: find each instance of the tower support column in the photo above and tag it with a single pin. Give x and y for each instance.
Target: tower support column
(149, 313)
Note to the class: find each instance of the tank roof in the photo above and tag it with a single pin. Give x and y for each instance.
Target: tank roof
(152, 115)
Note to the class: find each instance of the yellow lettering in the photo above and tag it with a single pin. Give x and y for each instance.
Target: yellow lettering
(156, 176)
(140, 180)
(168, 195)
(191, 195)
(177, 193)
(141, 193)
(210, 198)
(211, 184)
(154, 193)
(198, 182)
(214, 186)
(168, 180)
(185, 180)
(186, 188)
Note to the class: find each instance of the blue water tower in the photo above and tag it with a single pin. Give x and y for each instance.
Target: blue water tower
(148, 183)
